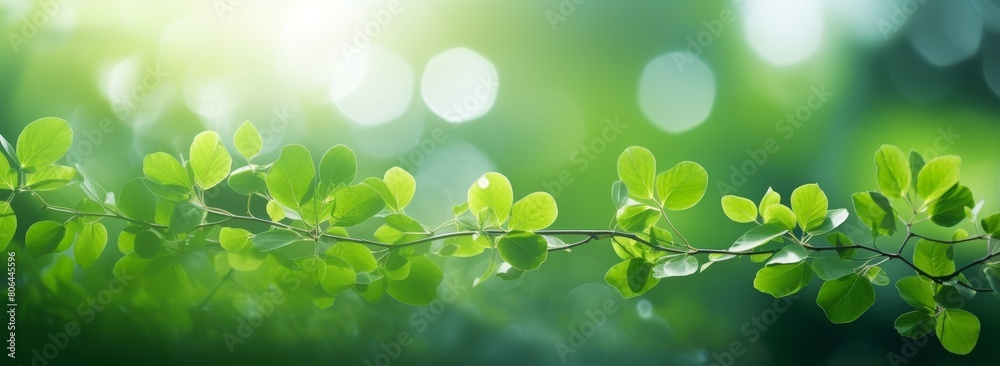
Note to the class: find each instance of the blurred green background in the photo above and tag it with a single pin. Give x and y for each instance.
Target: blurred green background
(761, 92)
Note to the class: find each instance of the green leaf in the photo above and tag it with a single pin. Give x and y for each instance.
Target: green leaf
(401, 185)
(770, 198)
(274, 211)
(43, 142)
(90, 244)
(845, 299)
(248, 141)
(874, 210)
(458, 210)
(916, 164)
(892, 171)
(275, 239)
(992, 273)
(210, 161)
(246, 181)
(9, 149)
(619, 194)
(991, 225)
(937, 259)
(164, 169)
(291, 176)
(372, 292)
(147, 244)
(937, 176)
(779, 214)
(339, 276)
(523, 250)
(465, 246)
(400, 228)
(8, 175)
(637, 218)
(918, 293)
(677, 266)
(949, 210)
(789, 254)
(46, 237)
(91, 188)
(52, 177)
(809, 204)
(493, 191)
(535, 211)
(358, 256)
(877, 276)
(397, 267)
(783, 279)
(245, 260)
(914, 324)
(420, 287)
(355, 204)
(186, 216)
(8, 225)
(758, 236)
(832, 268)
(681, 187)
(338, 166)
(739, 209)
(627, 249)
(619, 277)
(507, 272)
(834, 218)
(958, 330)
(637, 274)
(136, 202)
(841, 240)
(233, 239)
(636, 168)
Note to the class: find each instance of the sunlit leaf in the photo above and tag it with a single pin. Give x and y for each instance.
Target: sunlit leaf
(892, 171)
(937, 176)
(43, 142)
(210, 161)
(247, 140)
(637, 168)
(535, 211)
(682, 186)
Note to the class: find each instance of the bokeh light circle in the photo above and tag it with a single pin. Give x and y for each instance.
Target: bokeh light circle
(384, 92)
(784, 32)
(459, 85)
(677, 91)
